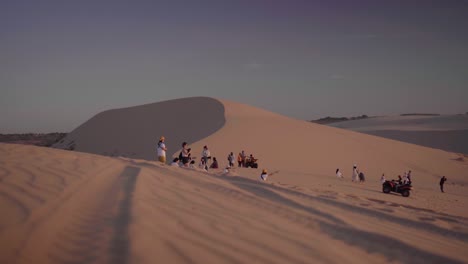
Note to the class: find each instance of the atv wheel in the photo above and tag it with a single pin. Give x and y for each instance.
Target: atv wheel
(405, 193)
(386, 189)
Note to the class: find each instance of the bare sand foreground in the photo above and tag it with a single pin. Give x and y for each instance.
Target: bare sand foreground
(60, 206)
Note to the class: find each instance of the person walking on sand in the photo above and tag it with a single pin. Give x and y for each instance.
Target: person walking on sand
(162, 150)
(442, 181)
(355, 173)
(338, 173)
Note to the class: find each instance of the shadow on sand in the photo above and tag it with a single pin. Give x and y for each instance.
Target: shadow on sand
(120, 244)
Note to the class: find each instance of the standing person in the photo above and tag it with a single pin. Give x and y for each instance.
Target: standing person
(162, 150)
(239, 160)
(382, 178)
(231, 160)
(409, 177)
(243, 156)
(442, 181)
(206, 155)
(338, 173)
(355, 173)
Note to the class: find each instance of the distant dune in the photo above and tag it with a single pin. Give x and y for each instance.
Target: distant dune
(59, 206)
(446, 132)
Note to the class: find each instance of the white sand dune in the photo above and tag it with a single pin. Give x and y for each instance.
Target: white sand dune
(62, 206)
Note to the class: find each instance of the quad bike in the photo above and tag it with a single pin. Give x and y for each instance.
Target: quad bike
(394, 186)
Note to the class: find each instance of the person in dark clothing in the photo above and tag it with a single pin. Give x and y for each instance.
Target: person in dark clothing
(214, 164)
(442, 181)
(362, 178)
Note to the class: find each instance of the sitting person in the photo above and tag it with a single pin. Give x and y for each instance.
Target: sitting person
(214, 164)
(264, 175)
(251, 162)
(338, 173)
(192, 164)
(175, 162)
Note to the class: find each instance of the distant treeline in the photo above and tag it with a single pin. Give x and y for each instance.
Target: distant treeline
(37, 139)
(419, 114)
(329, 119)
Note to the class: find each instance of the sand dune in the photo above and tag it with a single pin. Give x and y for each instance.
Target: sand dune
(62, 206)
(134, 132)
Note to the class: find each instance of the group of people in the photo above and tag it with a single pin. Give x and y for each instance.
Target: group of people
(185, 158)
(246, 161)
(357, 176)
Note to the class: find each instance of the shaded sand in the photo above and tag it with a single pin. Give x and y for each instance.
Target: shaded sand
(134, 132)
(67, 207)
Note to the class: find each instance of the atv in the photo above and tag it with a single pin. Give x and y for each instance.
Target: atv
(394, 186)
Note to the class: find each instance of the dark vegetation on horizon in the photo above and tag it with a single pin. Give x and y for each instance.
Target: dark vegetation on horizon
(419, 114)
(329, 119)
(36, 139)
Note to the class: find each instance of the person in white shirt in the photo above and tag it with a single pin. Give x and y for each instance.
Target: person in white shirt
(264, 175)
(206, 155)
(175, 162)
(162, 150)
(355, 173)
(382, 179)
(338, 173)
(231, 159)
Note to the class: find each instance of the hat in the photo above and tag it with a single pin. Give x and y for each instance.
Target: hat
(264, 171)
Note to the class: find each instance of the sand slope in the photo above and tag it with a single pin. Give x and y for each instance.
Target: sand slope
(312, 150)
(68, 207)
(134, 132)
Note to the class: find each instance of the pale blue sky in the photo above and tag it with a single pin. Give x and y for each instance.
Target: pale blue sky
(61, 62)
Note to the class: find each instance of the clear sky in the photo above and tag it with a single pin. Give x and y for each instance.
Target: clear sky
(61, 62)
